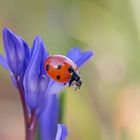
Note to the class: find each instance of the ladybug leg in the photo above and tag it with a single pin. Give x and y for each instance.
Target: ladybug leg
(76, 88)
(70, 82)
(78, 84)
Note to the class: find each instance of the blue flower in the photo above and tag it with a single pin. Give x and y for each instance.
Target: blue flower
(29, 65)
(48, 120)
(37, 89)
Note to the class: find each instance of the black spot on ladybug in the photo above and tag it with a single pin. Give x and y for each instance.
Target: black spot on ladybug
(59, 67)
(47, 67)
(58, 77)
(70, 70)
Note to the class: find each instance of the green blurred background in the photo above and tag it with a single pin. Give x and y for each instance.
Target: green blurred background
(108, 105)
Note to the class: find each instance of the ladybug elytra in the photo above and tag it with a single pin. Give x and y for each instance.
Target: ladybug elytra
(63, 70)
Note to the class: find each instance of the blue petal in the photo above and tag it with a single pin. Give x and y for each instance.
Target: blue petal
(31, 77)
(74, 54)
(35, 83)
(79, 57)
(83, 58)
(27, 52)
(5, 65)
(62, 132)
(44, 57)
(49, 119)
(3, 62)
(44, 54)
(14, 50)
(54, 87)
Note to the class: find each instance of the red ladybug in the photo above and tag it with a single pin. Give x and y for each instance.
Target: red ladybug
(63, 70)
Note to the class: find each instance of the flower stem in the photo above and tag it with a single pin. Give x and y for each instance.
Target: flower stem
(29, 118)
(32, 126)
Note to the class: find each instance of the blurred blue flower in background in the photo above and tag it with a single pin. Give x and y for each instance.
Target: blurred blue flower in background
(37, 90)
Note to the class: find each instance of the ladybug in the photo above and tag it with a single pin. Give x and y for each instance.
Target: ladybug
(63, 70)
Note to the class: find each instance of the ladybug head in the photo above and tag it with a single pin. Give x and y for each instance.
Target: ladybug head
(75, 80)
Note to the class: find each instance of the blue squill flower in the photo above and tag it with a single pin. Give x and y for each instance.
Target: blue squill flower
(38, 90)
(48, 120)
(19, 61)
